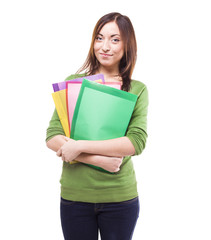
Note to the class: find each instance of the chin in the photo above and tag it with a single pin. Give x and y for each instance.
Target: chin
(106, 63)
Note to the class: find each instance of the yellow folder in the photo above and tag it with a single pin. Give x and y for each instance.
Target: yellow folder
(59, 98)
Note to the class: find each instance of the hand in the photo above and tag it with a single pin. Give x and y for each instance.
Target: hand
(69, 150)
(111, 164)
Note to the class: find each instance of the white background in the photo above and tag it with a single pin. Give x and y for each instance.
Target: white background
(43, 42)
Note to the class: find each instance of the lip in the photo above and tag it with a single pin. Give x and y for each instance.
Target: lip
(105, 55)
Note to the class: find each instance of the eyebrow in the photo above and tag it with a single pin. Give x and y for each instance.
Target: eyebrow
(113, 35)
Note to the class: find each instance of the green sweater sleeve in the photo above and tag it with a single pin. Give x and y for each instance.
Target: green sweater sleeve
(55, 127)
(137, 129)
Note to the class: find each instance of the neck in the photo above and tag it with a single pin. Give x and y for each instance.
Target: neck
(110, 75)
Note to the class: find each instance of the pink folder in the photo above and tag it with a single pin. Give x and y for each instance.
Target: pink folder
(72, 92)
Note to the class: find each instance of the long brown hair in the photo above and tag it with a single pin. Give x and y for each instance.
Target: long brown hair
(127, 63)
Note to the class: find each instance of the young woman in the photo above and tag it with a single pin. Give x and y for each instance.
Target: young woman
(93, 200)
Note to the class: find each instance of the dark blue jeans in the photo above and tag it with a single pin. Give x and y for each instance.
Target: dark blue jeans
(114, 221)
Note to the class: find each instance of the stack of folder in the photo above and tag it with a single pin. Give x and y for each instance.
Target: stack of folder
(92, 109)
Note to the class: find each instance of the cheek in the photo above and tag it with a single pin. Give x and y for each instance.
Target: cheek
(120, 54)
(96, 47)
(119, 50)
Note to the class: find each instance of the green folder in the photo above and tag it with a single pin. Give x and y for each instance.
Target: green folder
(101, 112)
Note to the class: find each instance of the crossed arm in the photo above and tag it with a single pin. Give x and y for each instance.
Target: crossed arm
(107, 154)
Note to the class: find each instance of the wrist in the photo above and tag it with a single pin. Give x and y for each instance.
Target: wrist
(98, 160)
(81, 146)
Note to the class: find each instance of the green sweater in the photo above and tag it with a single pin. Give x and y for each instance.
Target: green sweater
(80, 182)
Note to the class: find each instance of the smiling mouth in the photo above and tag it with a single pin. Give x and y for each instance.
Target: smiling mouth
(105, 55)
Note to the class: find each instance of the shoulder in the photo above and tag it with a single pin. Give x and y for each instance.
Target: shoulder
(74, 76)
(137, 87)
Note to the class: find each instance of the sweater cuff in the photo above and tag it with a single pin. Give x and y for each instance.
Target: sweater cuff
(134, 144)
(51, 134)
(138, 142)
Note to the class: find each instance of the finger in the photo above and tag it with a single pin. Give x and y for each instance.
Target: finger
(59, 153)
(63, 158)
(67, 138)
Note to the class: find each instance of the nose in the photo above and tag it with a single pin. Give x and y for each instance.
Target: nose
(106, 46)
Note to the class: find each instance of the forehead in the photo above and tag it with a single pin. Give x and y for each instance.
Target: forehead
(110, 28)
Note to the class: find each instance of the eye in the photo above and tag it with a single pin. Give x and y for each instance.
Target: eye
(115, 40)
(98, 38)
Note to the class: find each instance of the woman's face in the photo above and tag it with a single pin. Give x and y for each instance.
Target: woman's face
(109, 47)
